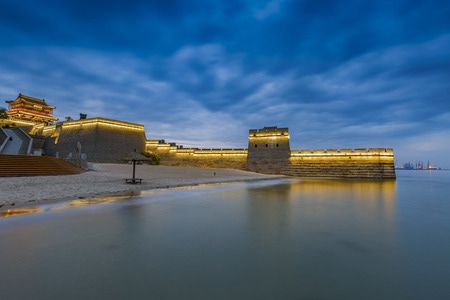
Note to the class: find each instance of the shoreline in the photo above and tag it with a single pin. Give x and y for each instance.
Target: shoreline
(108, 180)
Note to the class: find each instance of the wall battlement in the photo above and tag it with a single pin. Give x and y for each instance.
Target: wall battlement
(358, 151)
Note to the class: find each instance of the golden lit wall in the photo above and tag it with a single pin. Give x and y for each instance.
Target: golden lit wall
(171, 155)
(358, 163)
(349, 163)
(102, 140)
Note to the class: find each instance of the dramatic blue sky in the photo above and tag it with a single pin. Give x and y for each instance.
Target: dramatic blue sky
(339, 74)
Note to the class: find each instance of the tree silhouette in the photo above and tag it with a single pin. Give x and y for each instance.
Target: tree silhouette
(3, 114)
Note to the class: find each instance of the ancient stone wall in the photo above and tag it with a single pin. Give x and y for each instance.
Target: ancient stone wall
(172, 155)
(269, 152)
(101, 140)
(356, 163)
(104, 140)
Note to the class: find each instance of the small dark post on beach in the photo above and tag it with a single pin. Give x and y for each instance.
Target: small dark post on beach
(134, 166)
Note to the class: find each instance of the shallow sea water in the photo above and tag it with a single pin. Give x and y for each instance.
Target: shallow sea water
(281, 239)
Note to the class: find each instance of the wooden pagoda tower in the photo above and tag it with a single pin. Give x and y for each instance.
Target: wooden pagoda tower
(29, 110)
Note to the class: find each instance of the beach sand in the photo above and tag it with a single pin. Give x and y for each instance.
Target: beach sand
(109, 179)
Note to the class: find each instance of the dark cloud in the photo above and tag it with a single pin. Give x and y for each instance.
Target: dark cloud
(337, 73)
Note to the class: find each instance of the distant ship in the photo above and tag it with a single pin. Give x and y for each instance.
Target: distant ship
(430, 167)
(407, 166)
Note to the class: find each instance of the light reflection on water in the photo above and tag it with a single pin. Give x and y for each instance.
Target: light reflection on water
(285, 239)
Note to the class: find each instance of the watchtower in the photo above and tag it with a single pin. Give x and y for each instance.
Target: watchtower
(268, 149)
(269, 142)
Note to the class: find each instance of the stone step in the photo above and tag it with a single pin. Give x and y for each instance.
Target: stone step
(24, 165)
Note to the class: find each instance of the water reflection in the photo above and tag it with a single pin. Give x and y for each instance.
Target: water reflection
(326, 225)
(58, 206)
(365, 203)
(14, 212)
(288, 239)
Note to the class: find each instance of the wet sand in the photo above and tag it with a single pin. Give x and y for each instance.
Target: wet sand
(109, 179)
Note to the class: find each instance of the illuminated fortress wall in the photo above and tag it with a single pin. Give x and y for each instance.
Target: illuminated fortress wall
(102, 140)
(173, 155)
(357, 163)
(269, 152)
(105, 140)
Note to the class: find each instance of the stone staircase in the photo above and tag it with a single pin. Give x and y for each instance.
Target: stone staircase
(27, 165)
(15, 141)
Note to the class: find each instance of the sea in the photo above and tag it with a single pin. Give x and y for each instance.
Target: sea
(290, 238)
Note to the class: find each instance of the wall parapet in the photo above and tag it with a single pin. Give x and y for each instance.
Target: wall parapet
(343, 152)
(104, 122)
